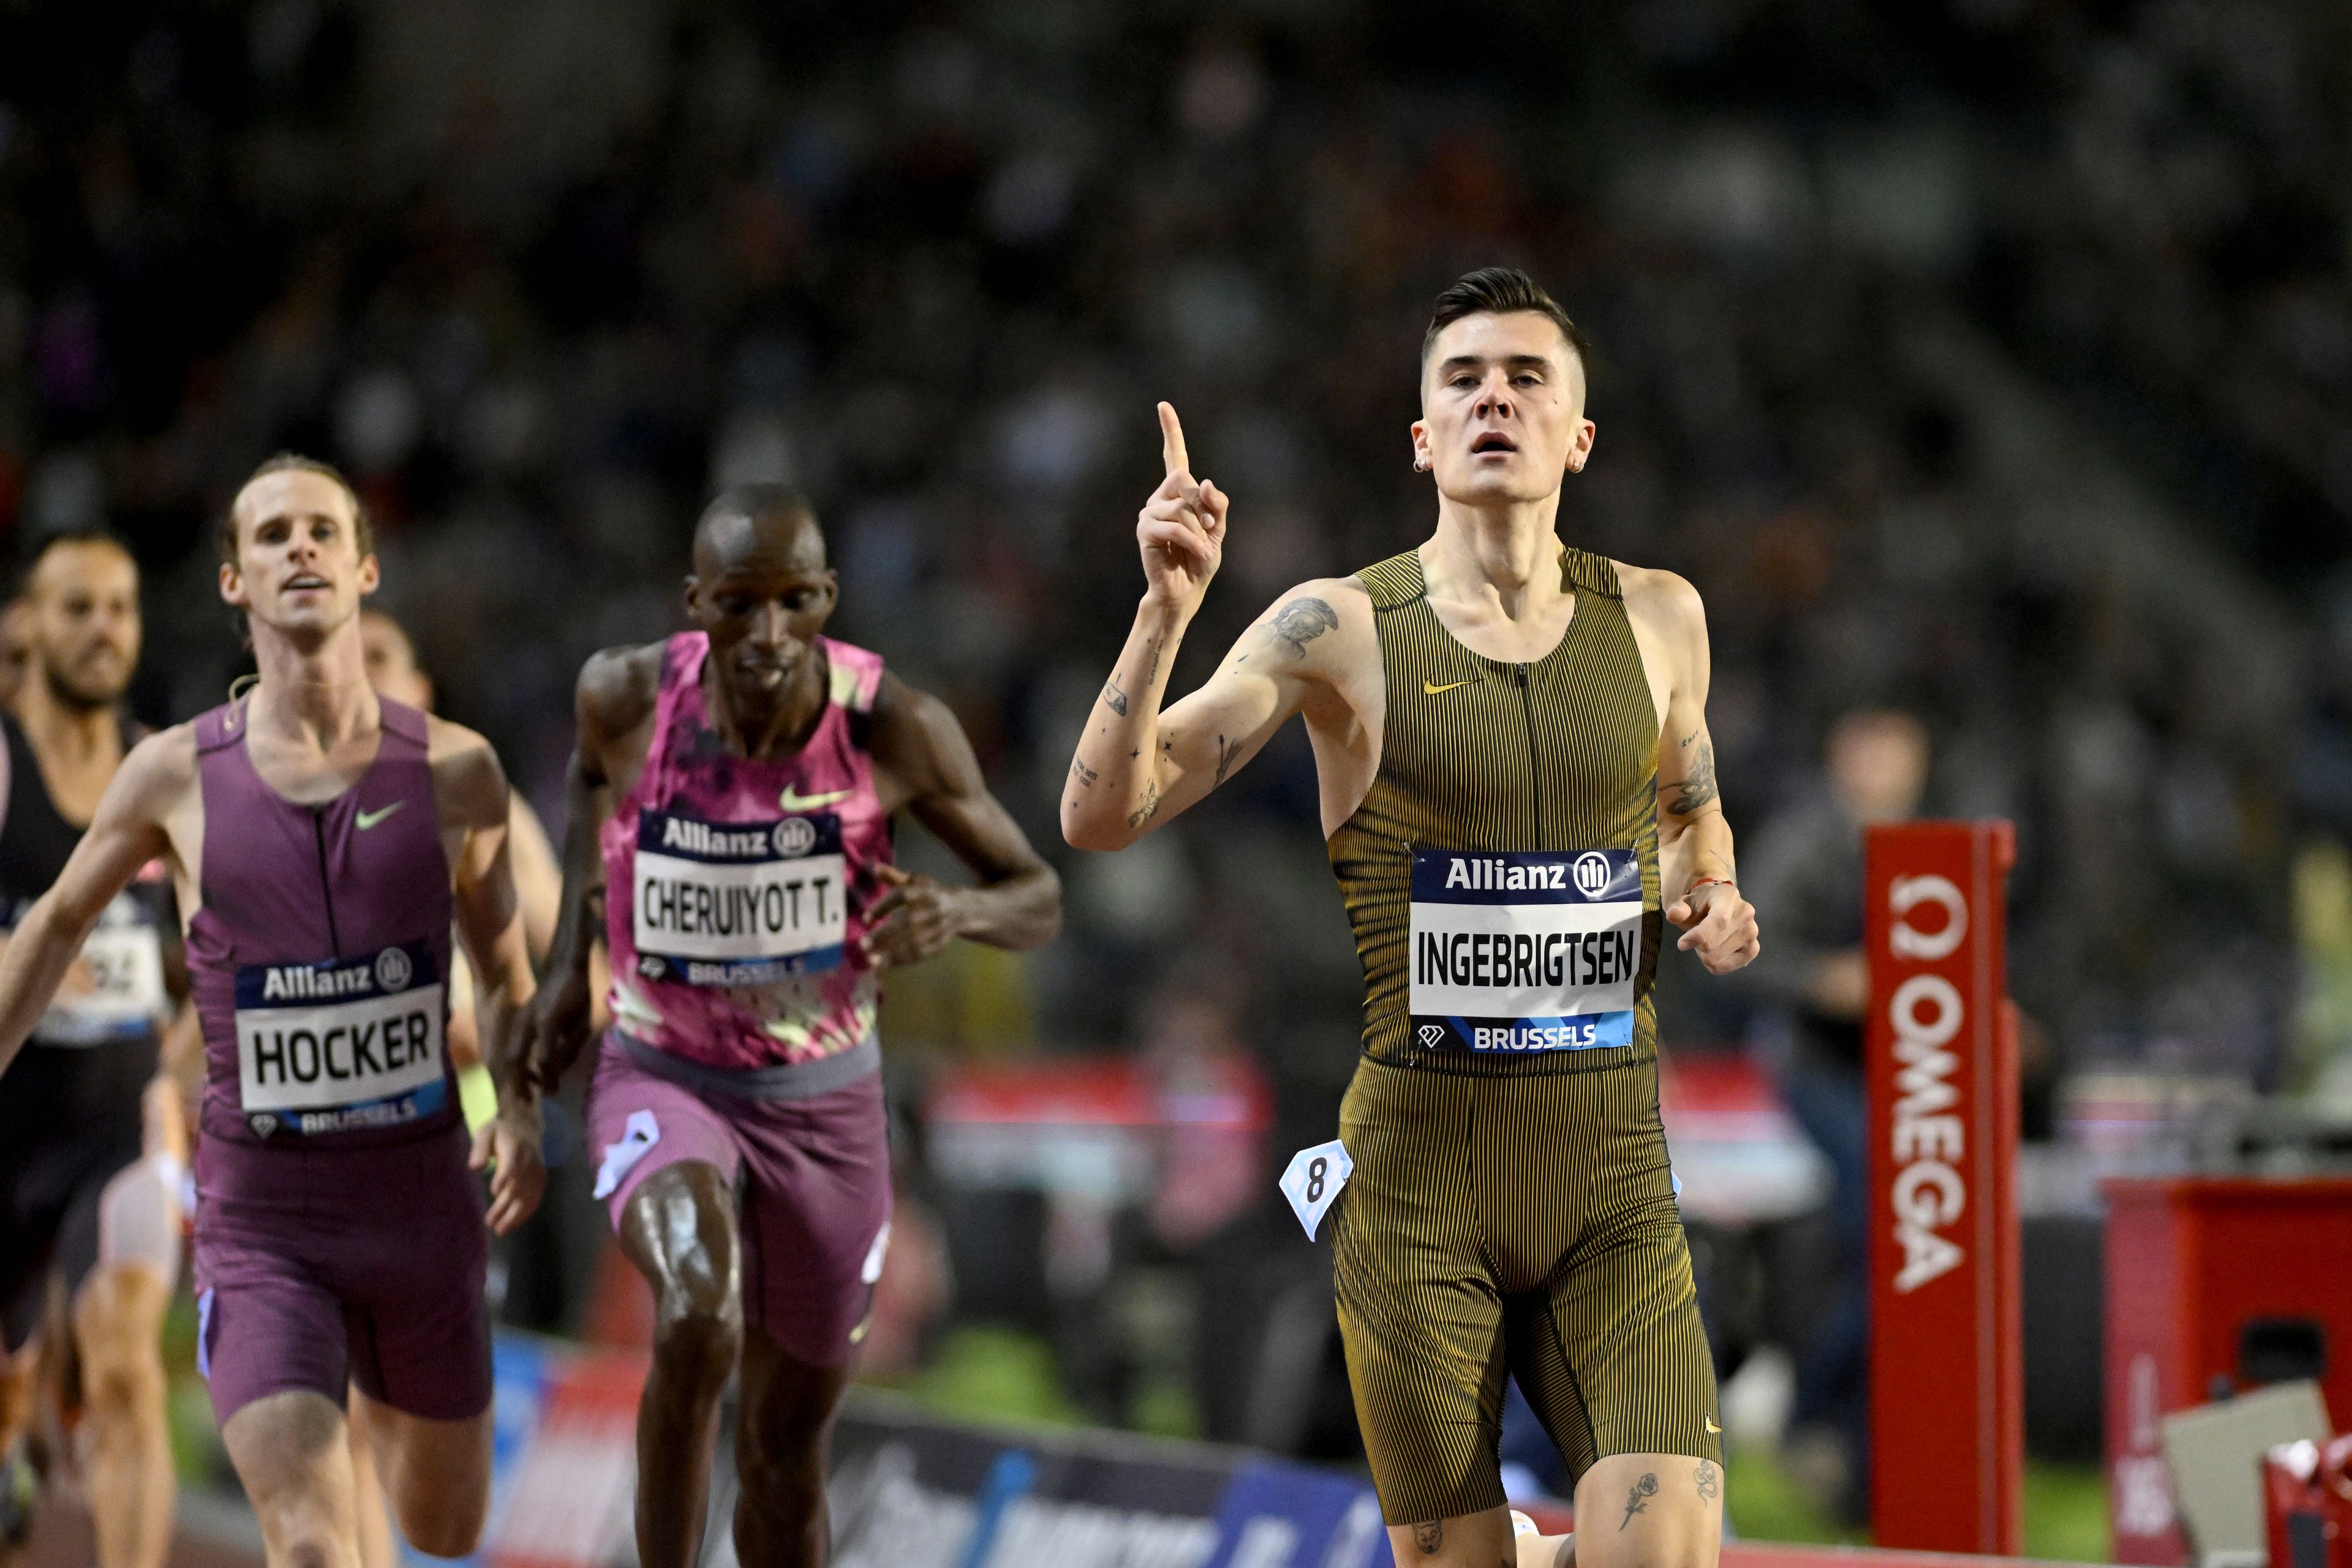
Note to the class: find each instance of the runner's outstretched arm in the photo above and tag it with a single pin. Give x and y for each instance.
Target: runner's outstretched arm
(614, 696)
(472, 786)
(1018, 902)
(125, 834)
(1136, 766)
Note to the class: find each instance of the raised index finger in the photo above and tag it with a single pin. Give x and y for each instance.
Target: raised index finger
(1172, 441)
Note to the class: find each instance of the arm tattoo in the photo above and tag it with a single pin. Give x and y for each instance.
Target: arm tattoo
(1698, 789)
(1429, 1535)
(1113, 695)
(1637, 1501)
(1300, 622)
(1709, 1481)
(1087, 776)
(1226, 753)
(1150, 806)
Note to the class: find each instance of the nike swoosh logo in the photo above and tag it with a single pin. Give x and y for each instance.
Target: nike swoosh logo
(1429, 691)
(791, 802)
(370, 818)
(1710, 1424)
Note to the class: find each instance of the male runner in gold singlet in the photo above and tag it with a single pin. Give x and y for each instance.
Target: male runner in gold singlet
(1517, 785)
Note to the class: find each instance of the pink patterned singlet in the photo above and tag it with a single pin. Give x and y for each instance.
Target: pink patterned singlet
(736, 886)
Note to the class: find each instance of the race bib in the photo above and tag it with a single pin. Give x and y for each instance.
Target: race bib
(341, 1044)
(1525, 952)
(1313, 1180)
(738, 904)
(123, 957)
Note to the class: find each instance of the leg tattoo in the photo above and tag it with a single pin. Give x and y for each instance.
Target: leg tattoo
(1637, 1501)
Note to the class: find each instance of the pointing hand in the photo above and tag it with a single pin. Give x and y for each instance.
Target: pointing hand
(1181, 528)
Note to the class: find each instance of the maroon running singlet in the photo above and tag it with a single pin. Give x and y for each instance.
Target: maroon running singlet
(339, 1234)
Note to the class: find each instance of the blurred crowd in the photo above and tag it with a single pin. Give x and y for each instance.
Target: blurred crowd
(1984, 361)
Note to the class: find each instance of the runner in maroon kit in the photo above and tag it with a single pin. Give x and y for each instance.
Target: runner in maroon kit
(315, 833)
(743, 775)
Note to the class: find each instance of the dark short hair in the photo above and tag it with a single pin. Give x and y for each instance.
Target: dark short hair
(294, 462)
(1500, 291)
(37, 550)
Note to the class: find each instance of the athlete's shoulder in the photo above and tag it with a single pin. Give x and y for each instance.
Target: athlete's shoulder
(1302, 621)
(618, 685)
(159, 770)
(468, 781)
(1656, 594)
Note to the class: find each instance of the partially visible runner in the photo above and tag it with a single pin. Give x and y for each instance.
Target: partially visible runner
(1518, 793)
(91, 1144)
(733, 786)
(16, 647)
(315, 833)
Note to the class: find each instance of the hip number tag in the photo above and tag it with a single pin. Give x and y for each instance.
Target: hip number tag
(1312, 1182)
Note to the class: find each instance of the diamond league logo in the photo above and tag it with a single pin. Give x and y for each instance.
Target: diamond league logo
(263, 1122)
(794, 835)
(1433, 1035)
(392, 970)
(1591, 873)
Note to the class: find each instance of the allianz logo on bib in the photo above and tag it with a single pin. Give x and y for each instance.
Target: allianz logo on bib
(1542, 877)
(332, 980)
(735, 843)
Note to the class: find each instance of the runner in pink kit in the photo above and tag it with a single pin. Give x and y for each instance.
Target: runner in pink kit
(732, 797)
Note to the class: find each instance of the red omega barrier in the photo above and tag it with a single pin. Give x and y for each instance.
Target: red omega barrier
(1947, 1358)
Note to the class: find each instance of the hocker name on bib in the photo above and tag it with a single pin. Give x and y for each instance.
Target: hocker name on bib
(1525, 952)
(738, 904)
(340, 1044)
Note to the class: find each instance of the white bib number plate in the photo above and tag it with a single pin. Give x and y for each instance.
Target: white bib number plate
(738, 904)
(1525, 952)
(1312, 1181)
(123, 958)
(343, 1044)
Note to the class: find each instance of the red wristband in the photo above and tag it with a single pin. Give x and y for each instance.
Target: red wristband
(1708, 882)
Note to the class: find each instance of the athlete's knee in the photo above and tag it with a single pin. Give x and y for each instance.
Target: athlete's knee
(448, 1533)
(118, 1316)
(310, 1542)
(698, 1329)
(783, 1463)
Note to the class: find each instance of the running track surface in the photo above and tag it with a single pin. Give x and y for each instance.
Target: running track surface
(62, 1541)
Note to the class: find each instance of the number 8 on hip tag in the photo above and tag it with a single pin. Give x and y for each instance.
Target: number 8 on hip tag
(1312, 1182)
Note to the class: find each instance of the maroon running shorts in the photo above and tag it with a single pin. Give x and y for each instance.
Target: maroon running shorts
(319, 1267)
(812, 1173)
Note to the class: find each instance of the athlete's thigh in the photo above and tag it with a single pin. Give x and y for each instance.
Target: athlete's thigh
(1612, 1352)
(1650, 1511)
(294, 1459)
(436, 1474)
(416, 1317)
(816, 1218)
(1419, 1314)
(640, 1125)
(681, 1231)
